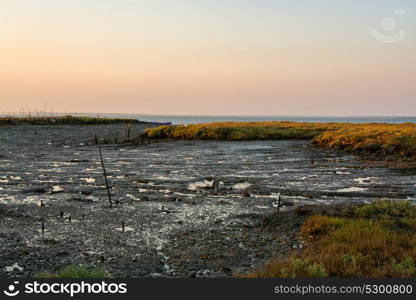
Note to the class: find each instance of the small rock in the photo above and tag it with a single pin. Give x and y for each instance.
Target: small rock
(79, 160)
(136, 257)
(227, 271)
(84, 200)
(62, 253)
(13, 267)
(246, 194)
(297, 246)
(36, 190)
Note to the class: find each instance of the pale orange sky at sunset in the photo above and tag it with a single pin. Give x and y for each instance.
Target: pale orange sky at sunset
(206, 57)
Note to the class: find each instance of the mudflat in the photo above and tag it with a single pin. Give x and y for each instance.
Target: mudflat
(189, 208)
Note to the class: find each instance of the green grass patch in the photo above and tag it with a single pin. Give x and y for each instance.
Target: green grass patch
(74, 271)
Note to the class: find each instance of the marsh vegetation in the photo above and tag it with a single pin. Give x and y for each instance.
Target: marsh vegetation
(378, 140)
(374, 240)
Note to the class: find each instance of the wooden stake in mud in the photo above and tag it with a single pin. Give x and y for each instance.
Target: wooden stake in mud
(127, 131)
(278, 203)
(43, 229)
(105, 175)
(215, 184)
(123, 226)
(61, 214)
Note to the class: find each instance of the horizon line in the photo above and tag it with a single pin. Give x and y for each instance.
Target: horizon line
(248, 116)
(215, 115)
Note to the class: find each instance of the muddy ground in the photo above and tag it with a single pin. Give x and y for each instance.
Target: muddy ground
(175, 223)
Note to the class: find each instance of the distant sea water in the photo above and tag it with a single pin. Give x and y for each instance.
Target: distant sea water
(189, 119)
(177, 120)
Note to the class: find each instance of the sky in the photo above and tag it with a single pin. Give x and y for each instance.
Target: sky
(209, 57)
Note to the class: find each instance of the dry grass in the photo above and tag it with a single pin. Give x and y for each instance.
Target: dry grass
(394, 140)
(378, 241)
(241, 131)
(381, 141)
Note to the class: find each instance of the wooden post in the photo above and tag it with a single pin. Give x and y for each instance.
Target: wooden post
(43, 229)
(70, 218)
(278, 204)
(215, 184)
(129, 131)
(105, 176)
(61, 214)
(123, 226)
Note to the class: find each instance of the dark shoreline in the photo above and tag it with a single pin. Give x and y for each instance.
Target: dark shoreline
(66, 120)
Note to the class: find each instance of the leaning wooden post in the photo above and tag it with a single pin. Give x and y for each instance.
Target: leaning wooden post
(278, 203)
(105, 175)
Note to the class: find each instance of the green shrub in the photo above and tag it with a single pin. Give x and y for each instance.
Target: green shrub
(387, 209)
(406, 265)
(303, 268)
